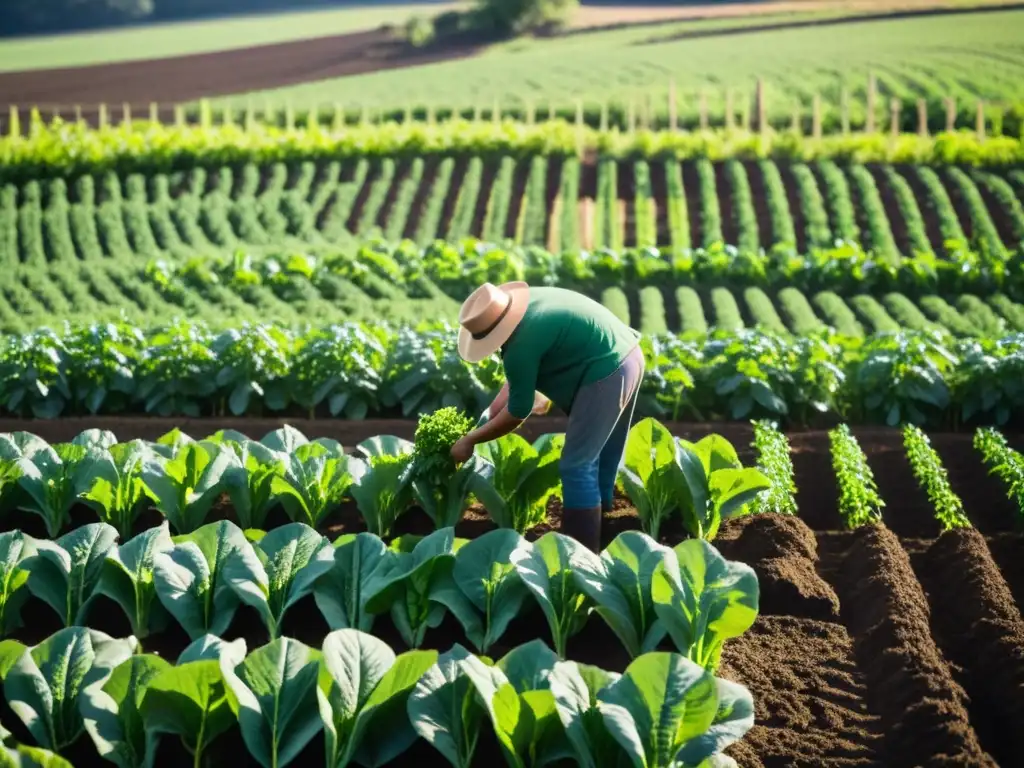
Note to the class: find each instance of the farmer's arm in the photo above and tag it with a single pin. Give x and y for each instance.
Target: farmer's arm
(541, 404)
(520, 383)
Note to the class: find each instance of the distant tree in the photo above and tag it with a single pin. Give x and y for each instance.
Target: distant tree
(518, 17)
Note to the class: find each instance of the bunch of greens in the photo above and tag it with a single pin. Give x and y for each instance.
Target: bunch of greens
(442, 487)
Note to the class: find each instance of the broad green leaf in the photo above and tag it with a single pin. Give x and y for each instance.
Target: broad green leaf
(651, 474)
(735, 716)
(619, 583)
(314, 482)
(575, 688)
(363, 698)
(190, 700)
(484, 591)
(516, 479)
(52, 480)
(443, 708)
(112, 716)
(716, 453)
(340, 593)
(545, 567)
(10, 652)
(284, 440)
(128, 580)
(731, 491)
(663, 702)
(249, 480)
(117, 489)
(15, 549)
(385, 445)
(383, 491)
(191, 578)
(290, 560)
(185, 486)
(405, 583)
(45, 684)
(703, 599)
(100, 439)
(65, 573)
(274, 695)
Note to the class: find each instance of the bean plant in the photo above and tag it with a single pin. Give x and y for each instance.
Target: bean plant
(859, 501)
(931, 475)
(1002, 461)
(774, 461)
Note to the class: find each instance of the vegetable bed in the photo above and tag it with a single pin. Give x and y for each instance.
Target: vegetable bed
(889, 627)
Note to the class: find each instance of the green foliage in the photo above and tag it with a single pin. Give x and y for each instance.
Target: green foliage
(775, 462)
(1002, 461)
(931, 475)
(518, 479)
(437, 479)
(859, 502)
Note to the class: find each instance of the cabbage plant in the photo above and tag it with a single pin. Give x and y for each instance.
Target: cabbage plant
(342, 591)
(52, 481)
(518, 479)
(127, 579)
(651, 474)
(186, 485)
(702, 599)
(119, 487)
(316, 478)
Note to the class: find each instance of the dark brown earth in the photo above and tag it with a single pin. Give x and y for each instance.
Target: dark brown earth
(877, 647)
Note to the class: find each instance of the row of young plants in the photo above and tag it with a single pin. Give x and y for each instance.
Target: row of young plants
(354, 371)
(1003, 461)
(63, 149)
(701, 483)
(644, 591)
(370, 704)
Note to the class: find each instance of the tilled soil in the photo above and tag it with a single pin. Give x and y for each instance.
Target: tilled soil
(883, 646)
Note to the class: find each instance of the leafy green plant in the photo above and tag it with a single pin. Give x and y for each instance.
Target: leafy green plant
(716, 485)
(45, 685)
(192, 577)
(775, 463)
(384, 490)
(290, 560)
(444, 708)
(668, 711)
(859, 502)
(651, 474)
(52, 481)
(403, 584)
(65, 573)
(516, 694)
(618, 582)
(1003, 461)
(516, 488)
(363, 698)
(15, 549)
(702, 599)
(273, 692)
(249, 478)
(190, 699)
(546, 568)
(341, 592)
(575, 688)
(315, 480)
(931, 475)
(441, 487)
(185, 486)
(128, 580)
(483, 590)
(112, 715)
(119, 489)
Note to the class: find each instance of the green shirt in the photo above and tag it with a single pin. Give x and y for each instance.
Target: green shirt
(564, 341)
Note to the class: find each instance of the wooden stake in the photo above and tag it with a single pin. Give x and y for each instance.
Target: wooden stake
(950, 113)
(586, 214)
(703, 107)
(648, 112)
(922, 118)
(728, 109)
(179, 115)
(979, 120)
(816, 116)
(673, 107)
(762, 110)
(154, 112)
(78, 114)
(555, 225)
(126, 115)
(631, 118)
(894, 117)
(844, 111)
(796, 122)
(531, 116)
(102, 119)
(14, 123)
(869, 125)
(604, 115)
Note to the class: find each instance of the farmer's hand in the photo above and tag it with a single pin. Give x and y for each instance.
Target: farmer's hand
(462, 450)
(541, 405)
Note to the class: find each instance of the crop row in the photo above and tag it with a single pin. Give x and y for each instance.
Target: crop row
(353, 371)
(66, 150)
(371, 704)
(906, 211)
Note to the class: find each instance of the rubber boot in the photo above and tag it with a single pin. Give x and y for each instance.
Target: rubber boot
(584, 525)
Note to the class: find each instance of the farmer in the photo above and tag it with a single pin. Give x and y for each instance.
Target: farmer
(576, 354)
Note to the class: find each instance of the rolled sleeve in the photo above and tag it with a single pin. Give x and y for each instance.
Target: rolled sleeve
(521, 373)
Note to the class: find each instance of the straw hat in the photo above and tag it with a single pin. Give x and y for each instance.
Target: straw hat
(489, 316)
